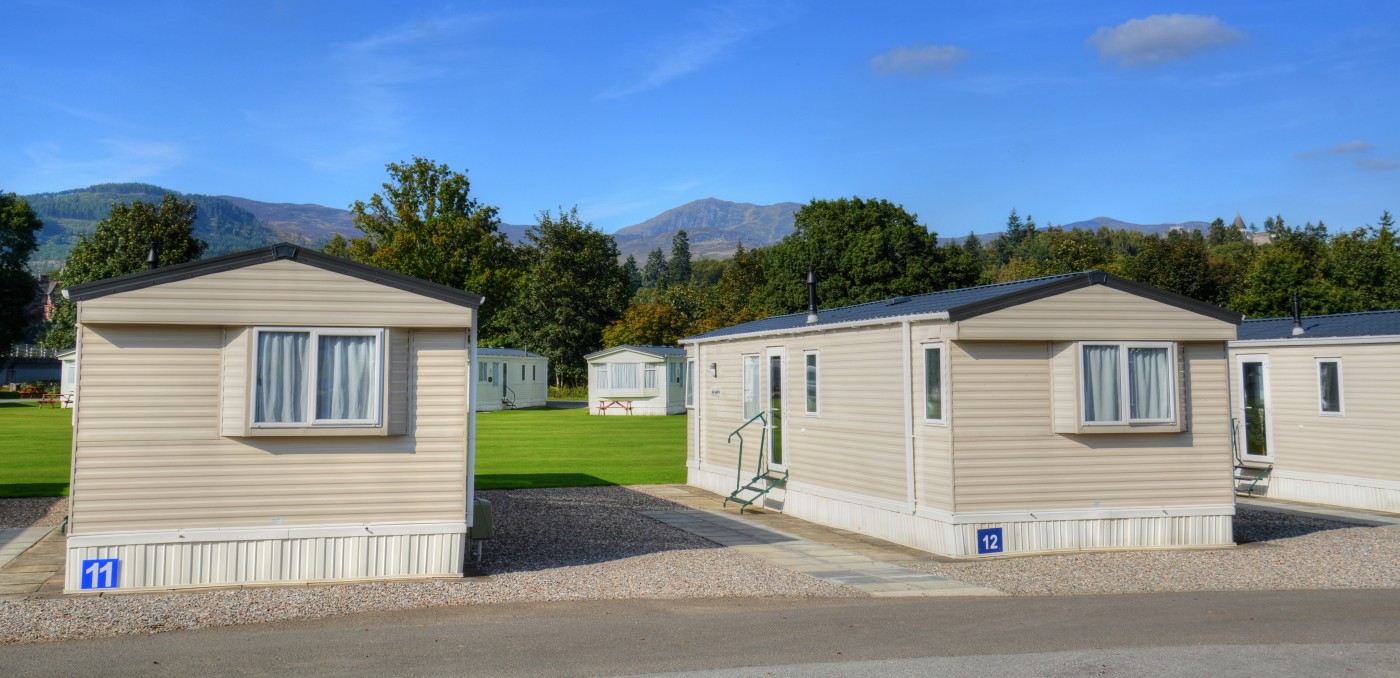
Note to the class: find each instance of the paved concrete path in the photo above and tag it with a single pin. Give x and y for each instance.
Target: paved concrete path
(830, 563)
(1346, 515)
(1346, 632)
(36, 567)
(17, 540)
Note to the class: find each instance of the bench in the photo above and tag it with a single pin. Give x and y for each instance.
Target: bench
(605, 404)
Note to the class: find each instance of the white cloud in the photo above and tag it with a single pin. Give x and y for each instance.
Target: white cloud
(1344, 148)
(692, 51)
(919, 60)
(1162, 38)
(1376, 163)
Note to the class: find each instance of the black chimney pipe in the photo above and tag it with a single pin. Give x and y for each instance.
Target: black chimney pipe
(153, 257)
(1297, 317)
(811, 296)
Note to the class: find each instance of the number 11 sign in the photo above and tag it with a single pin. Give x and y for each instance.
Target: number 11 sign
(101, 573)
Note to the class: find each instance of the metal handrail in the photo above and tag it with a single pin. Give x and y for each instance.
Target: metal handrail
(509, 395)
(762, 439)
(1263, 473)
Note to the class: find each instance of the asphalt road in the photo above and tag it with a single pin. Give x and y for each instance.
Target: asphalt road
(1274, 633)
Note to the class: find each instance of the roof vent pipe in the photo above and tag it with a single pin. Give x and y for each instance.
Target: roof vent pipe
(1297, 317)
(153, 257)
(811, 296)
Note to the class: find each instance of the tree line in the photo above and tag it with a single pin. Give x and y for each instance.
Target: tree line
(564, 292)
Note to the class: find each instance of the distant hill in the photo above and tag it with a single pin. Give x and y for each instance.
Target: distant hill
(307, 222)
(1113, 224)
(68, 214)
(713, 226)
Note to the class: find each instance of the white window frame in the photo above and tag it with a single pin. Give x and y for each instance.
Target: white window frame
(752, 397)
(689, 382)
(313, 364)
(602, 374)
(942, 348)
(816, 383)
(1341, 388)
(1123, 390)
(649, 377)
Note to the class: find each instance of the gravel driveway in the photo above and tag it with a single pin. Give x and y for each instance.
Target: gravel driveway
(592, 543)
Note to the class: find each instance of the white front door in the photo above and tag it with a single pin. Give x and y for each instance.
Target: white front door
(1256, 432)
(775, 401)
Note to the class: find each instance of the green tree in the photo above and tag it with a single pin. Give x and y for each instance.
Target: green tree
(337, 246)
(573, 289)
(736, 298)
(19, 229)
(679, 264)
(861, 250)
(647, 325)
(654, 273)
(1177, 263)
(634, 275)
(1221, 234)
(1365, 266)
(426, 224)
(1009, 243)
(119, 246)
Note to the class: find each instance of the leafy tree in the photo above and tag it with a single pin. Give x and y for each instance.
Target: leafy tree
(1009, 242)
(19, 228)
(426, 224)
(1365, 266)
(648, 325)
(1177, 263)
(337, 246)
(679, 264)
(1072, 252)
(973, 246)
(861, 250)
(654, 274)
(1220, 234)
(119, 246)
(707, 272)
(573, 289)
(736, 298)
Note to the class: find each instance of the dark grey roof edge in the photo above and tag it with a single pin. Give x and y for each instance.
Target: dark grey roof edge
(658, 351)
(505, 352)
(1086, 279)
(1352, 314)
(298, 253)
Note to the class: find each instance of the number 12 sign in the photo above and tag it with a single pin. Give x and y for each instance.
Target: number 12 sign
(101, 573)
(989, 540)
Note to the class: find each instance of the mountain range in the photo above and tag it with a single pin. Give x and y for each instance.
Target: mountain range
(231, 223)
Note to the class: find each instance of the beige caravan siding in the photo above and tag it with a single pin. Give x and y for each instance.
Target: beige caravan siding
(234, 385)
(1365, 441)
(1095, 312)
(1007, 458)
(281, 292)
(149, 454)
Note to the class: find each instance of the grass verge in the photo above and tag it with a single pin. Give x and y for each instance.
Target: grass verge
(36, 444)
(568, 448)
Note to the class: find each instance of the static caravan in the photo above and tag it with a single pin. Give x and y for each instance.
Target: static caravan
(636, 380)
(510, 378)
(1316, 408)
(67, 384)
(1066, 413)
(272, 416)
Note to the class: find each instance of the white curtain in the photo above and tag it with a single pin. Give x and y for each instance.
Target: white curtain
(1330, 386)
(1102, 401)
(600, 375)
(752, 386)
(344, 377)
(933, 384)
(625, 375)
(650, 377)
(1149, 384)
(282, 373)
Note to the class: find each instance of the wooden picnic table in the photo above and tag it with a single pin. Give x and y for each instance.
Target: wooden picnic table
(605, 404)
(54, 400)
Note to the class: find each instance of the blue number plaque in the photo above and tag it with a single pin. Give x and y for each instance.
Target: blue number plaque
(101, 573)
(989, 540)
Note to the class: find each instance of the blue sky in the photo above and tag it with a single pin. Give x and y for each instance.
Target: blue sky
(1146, 112)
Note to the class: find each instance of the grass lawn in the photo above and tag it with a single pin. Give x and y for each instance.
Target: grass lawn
(35, 446)
(568, 448)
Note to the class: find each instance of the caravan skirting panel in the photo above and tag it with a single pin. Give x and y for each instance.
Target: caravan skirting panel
(205, 558)
(956, 535)
(1316, 488)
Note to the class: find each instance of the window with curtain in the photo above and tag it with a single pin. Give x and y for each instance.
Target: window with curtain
(690, 383)
(1127, 382)
(933, 383)
(649, 377)
(600, 377)
(752, 387)
(317, 377)
(1329, 386)
(626, 375)
(811, 365)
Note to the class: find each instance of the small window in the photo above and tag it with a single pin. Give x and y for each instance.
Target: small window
(690, 383)
(933, 384)
(1127, 383)
(600, 377)
(752, 387)
(649, 377)
(317, 378)
(522, 372)
(810, 358)
(534, 375)
(1329, 385)
(483, 371)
